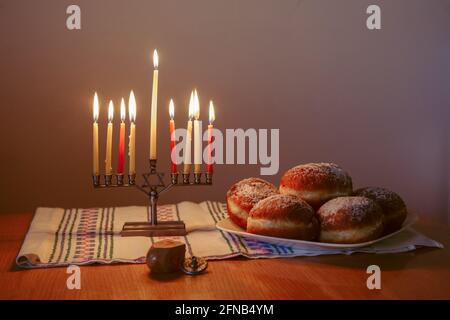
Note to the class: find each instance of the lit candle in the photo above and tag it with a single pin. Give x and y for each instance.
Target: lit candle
(132, 138)
(187, 150)
(108, 167)
(120, 161)
(212, 117)
(172, 136)
(154, 110)
(197, 136)
(95, 136)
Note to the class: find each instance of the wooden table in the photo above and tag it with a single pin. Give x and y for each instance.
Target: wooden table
(421, 274)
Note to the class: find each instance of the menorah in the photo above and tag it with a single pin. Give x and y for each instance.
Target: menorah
(152, 227)
(153, 190)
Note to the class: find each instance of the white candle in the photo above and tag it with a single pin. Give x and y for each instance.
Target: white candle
(122, 129)
(108, 161)
(197, 135)
(132, 138)
(187, 149)
(154, 110)
(95, 136)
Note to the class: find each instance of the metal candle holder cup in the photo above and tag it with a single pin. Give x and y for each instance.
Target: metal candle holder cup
(151, 227)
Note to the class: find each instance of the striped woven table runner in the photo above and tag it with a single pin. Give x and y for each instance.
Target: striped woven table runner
(59, 237)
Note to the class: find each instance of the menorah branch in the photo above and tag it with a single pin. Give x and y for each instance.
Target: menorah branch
(152, 227)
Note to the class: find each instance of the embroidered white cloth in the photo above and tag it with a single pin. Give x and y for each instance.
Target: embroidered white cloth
(59, 237)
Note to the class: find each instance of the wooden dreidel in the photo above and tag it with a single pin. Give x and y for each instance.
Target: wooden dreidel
(166, 256)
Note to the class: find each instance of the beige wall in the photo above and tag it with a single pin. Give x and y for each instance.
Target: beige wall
(374, 102)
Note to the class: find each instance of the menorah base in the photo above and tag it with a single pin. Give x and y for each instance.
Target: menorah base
(147, 229)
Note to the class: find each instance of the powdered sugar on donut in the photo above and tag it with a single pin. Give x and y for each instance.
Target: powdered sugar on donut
(355, 209)
(250, 191)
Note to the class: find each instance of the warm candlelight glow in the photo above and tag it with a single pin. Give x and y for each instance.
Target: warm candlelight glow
(212, 115)
(171, 109)
(196, 108)
(132, 107)
(197, 135)
(95, 136)
(96, 107)
(155, 59)
(123, 113)
(191, 105)
(110, 111)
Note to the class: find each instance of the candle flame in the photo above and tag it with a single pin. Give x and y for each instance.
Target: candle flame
(155, 59)
(196, 110)
(123, 114)
(212, 115)
(110, 111)
(191, 106)
(171, 109)
(96, 107)
(132, 107)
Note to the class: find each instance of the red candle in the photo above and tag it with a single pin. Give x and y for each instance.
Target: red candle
(172, 136)
(120, 162)
(210, 129)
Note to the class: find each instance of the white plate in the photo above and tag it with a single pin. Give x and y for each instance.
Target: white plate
(228, 226)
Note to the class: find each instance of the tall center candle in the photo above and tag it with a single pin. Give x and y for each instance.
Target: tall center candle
(120, 161)
(154, 111)
(197, 136)
(172, 137)
(108, 161)
(187, 150)
(132, 138)
(95, 137)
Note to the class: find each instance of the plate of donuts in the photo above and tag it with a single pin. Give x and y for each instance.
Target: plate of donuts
(314, 206)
